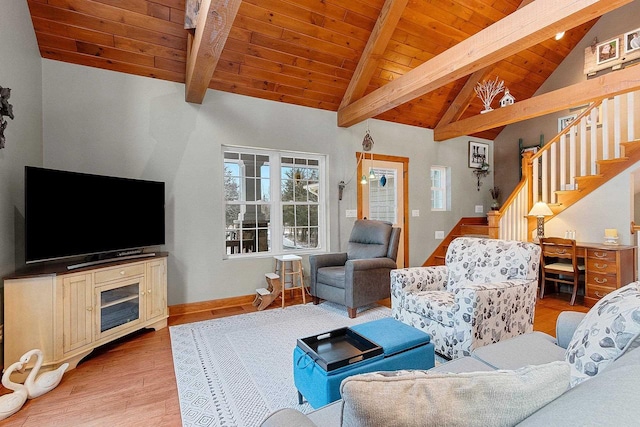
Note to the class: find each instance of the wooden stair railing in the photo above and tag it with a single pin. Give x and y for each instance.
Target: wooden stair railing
(598, 145)
(582, 157)
(469, 226)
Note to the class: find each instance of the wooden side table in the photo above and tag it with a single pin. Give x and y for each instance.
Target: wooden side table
(290, 266)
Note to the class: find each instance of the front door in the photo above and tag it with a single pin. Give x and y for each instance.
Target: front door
(385, 198)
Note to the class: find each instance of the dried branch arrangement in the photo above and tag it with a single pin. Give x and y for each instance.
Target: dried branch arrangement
(487, 90)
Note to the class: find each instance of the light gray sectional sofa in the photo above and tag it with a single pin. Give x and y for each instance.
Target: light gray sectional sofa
(596, 354)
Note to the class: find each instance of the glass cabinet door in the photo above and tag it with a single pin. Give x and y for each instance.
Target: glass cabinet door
(120, 305)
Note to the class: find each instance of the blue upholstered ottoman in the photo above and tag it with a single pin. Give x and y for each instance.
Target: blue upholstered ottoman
(404, 346)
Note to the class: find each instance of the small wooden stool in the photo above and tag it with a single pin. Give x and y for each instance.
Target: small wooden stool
(265, 296)
(293, 270)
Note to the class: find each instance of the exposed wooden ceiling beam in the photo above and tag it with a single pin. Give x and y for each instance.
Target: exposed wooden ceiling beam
(466, 95)
(464, 98)
(212, 29)
(532, 24)
(581, 93)
(373, 51)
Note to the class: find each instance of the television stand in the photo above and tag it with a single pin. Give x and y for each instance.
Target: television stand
(67, 314)
(111, 259)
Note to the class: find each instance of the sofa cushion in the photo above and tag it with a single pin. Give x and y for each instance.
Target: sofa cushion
(434, 305)
(476, 261)
(462, 364)
(287, 417)
(408, 398)
(609, 329)
(610, 399)
(534, 348)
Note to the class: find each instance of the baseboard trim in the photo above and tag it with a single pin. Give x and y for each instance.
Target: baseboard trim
(196, 307)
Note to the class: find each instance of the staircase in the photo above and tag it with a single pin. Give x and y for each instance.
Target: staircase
(472, 226)
(599, 144)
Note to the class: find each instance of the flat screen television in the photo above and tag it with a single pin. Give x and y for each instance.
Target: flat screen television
(70, 214)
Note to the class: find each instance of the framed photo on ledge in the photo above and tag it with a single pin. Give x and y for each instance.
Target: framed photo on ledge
(607, 51)
(632, 41)
(565, 121)
(478, 154)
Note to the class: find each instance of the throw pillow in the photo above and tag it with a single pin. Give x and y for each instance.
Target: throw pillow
(418, 398)
(609, 329)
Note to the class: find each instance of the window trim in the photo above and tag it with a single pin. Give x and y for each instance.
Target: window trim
(275, 203)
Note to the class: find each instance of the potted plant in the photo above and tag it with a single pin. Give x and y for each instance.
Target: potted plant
(495, 195)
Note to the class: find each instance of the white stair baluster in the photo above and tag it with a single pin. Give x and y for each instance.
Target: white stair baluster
(563, 162)
(554, 175)
(616, 127)
(605, 129)
(572, 157)
(594, 141)
(630, 117)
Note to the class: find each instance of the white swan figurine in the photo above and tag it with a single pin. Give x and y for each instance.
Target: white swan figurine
(12, 402)
(45, 382)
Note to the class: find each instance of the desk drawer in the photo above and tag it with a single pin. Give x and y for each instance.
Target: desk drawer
(602, 280)
(597, 292)
(601, 265)
(601, 254)
(121, 272)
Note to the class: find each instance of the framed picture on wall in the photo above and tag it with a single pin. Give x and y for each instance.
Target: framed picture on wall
(607, 51)
(478, 154)
(565, 121)
(632, 41)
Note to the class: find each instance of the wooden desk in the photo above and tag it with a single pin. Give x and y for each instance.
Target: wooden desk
(607, 268)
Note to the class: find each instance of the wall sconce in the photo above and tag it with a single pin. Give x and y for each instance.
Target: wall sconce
(481, 172)
(540, 210)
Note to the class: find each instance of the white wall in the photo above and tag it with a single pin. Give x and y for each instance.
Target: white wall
(20, 70)
(609, 206)
(104, 122)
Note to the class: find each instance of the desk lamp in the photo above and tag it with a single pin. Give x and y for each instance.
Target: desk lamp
(540, 210)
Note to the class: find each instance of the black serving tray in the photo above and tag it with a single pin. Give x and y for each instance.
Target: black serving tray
(338, 348)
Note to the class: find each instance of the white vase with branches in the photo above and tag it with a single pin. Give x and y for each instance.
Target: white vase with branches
(487, 90)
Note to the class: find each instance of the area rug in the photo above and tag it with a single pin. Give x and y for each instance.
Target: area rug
(236, 370)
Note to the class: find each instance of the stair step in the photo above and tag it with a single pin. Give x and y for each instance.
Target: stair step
(612, 161)
(474, 229)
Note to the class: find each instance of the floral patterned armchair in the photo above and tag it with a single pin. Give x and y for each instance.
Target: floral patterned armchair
(485, 292)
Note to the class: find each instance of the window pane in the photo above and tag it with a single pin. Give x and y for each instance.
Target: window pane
(302, 215)
(312, 191)
(250, 192)
(435, 178)
(286, 190)
(313, 237)
(313, 215)
(300, 194)
(288, 216)
(265, 194)
(382, 199)
(232, 188)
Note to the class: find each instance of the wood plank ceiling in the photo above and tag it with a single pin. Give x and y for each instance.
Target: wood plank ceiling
(302, 52)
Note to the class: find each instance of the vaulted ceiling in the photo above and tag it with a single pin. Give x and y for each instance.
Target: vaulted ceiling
(303, 52)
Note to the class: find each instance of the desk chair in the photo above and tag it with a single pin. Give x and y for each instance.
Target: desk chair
(560, 264)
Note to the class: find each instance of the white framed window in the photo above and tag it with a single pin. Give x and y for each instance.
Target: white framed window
(440, 188)
(274, 202)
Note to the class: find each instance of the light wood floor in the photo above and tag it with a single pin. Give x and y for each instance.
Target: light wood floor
(131, 382)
